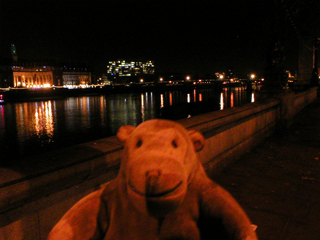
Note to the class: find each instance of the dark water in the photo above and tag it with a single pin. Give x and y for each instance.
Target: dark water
(33, 127)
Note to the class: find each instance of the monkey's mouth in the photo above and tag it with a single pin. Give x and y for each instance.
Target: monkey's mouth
(155, 190)
(157, 194)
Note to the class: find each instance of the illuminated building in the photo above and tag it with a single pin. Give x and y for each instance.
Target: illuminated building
(33, 75)
(76, 76)
(122, 68)
(40, 75)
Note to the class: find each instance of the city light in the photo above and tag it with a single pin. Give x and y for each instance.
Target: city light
(232, 99)
(161, 101)
(200, 97)
(252, 76)
(252, 97)
(188, 78)
(221, 102)
(133, 68)
(142, 107)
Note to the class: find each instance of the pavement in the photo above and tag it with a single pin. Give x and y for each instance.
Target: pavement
(278, 182)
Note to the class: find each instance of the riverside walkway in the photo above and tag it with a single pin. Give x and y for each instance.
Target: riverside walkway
(278, 182)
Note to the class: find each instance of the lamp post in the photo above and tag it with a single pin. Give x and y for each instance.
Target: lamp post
(315, 74)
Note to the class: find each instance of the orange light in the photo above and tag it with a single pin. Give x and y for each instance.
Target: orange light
(231, 100)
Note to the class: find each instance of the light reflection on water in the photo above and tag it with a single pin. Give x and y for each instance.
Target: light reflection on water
(32, 127)
(43, 121)
(34, 120)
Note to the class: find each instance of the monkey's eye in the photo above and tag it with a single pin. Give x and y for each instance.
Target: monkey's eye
(139, 143)
(174, 144)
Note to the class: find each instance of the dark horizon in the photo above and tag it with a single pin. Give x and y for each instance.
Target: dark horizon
(192, 37)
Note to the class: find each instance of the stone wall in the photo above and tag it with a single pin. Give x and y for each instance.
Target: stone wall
(34, 196)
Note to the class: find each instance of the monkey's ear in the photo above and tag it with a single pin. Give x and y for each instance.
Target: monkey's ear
(197, 139)
(124, 132)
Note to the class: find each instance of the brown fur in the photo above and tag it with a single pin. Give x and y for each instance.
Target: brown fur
(161, 192)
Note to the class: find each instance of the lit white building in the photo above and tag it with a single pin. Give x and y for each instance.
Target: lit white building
(122, 68)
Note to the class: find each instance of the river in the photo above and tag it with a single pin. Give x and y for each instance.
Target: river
(29, 128)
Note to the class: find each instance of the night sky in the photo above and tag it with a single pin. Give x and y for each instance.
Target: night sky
(195, 37)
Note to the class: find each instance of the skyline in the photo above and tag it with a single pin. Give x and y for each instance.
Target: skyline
(179, 36)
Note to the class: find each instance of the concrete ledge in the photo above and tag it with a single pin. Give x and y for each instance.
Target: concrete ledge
(231, 133)
(304, 98)
(48, 173)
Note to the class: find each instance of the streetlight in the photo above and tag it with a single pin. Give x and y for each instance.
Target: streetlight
(252, 76)
(188, 78)
(315, 74)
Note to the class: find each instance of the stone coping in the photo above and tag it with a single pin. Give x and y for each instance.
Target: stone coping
(35, 166)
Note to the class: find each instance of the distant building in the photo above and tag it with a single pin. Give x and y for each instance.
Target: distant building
(42, 73)
(123, 68)
(33, 74)
(5, 73)
(14, 53)
(76, 75)
(104, 80)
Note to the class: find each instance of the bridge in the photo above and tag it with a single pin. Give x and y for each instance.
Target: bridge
(35, 195)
